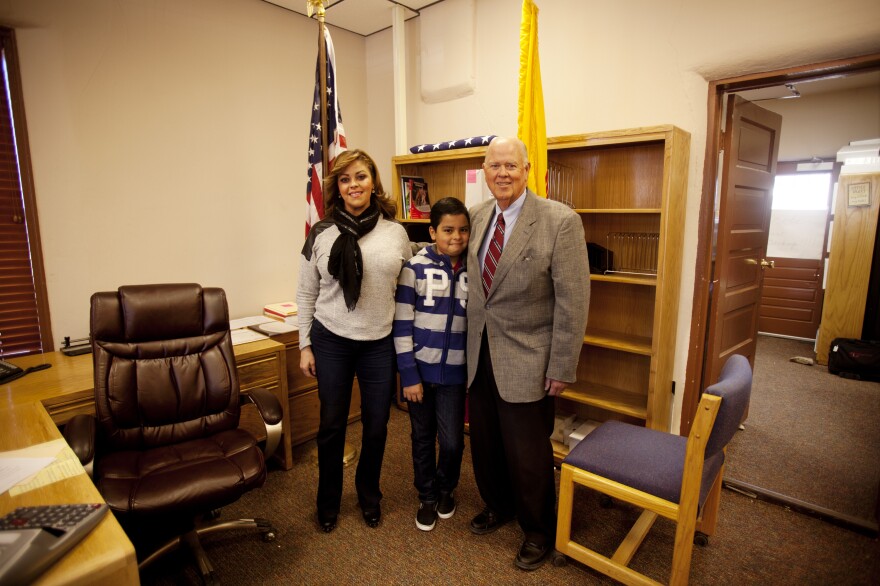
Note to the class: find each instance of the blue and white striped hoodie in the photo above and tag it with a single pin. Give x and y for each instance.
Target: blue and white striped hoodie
(430, 320)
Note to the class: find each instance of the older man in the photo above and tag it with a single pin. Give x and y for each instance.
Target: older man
(527, 311)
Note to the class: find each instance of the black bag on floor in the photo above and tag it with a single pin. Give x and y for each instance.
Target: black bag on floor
(851, 358)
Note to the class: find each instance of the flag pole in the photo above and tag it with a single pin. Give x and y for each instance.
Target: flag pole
(317, 7)
(349, 453)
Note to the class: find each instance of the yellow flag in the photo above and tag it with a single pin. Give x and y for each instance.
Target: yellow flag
(530, 112)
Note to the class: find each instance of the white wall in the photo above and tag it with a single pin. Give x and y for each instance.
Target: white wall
(609, 65)
(156, 125)
(819, 125)
(169, 143)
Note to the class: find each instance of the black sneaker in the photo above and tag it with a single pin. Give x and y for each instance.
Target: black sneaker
(426, 518)
(446, 505)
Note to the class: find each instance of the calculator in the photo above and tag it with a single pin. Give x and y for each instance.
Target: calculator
(33, 538)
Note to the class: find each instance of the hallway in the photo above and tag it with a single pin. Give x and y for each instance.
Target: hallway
(809, 435)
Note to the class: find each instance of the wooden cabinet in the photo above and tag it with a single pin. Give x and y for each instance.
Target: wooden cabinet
(629, 188)
(261, 364)
(305, 408)
(849, 262)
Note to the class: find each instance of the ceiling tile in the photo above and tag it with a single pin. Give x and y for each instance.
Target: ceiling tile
(363, 17)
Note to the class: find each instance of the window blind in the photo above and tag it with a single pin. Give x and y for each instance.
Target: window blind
(20, 331)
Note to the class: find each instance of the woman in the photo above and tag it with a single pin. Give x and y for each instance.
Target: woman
(348, 275)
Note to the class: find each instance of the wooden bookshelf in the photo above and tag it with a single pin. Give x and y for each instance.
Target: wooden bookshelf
(630, 181)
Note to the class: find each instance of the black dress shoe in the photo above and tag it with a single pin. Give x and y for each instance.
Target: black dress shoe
(487, 522)
(372, 516)
(327, 523)
(531, 555)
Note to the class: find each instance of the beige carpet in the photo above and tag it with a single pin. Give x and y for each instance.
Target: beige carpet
(757, 542)
(809, 435)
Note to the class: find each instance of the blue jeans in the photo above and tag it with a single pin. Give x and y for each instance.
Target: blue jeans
(440, 415)
(337, 360)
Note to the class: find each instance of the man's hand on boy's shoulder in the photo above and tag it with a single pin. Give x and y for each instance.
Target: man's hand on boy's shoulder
(418, 246)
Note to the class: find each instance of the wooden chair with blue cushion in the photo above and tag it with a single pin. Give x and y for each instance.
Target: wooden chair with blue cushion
(673, 476)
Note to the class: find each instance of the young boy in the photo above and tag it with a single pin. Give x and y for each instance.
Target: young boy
(430, 332)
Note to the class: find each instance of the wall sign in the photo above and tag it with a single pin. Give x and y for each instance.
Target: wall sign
(858, 194)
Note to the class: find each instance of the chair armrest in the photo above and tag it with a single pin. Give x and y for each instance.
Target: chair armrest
(267, 404)
(80, 434)
(271, 412)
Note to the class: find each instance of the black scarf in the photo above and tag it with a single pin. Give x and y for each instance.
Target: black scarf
(346, 263)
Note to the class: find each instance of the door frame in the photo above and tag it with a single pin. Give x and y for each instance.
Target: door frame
(700, 317)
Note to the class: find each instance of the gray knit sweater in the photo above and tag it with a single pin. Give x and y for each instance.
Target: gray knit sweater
(319, 297)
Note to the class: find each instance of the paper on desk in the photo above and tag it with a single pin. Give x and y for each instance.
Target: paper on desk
(57, 462)
(243, 336)
(243, 322)
(14, 470)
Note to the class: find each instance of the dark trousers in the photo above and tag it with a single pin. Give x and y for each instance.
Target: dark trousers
(440, 417)
(337, 360)
(512, 454)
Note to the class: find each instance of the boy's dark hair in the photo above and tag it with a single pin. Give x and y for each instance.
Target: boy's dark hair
(448, 206)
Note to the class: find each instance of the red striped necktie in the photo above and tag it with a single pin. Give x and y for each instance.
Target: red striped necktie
(493, 254)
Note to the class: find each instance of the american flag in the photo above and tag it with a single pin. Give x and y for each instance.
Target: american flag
(335, 134)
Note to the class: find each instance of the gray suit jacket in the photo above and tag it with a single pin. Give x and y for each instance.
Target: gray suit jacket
(536, 312)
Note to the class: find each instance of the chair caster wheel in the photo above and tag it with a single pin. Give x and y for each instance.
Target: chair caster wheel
(212, 515)
(269, 536)
(701, 539)
(605, 501)
(559, 560)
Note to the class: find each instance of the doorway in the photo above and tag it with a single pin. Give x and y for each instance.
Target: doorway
(791, 299)
(718, 91)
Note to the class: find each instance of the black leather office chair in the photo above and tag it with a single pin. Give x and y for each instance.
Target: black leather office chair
(165, 450)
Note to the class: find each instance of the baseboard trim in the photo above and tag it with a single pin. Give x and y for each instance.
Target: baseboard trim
(799, 339)
(863, 526)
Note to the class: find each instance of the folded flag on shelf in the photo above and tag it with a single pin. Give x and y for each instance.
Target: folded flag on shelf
(461, 143)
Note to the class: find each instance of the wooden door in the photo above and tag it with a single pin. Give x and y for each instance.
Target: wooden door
(791, 299)
(751, 146)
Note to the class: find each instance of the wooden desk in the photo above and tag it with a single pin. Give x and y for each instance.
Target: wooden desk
(263, 364)
(68, 388)
(65, 389)
(105, 556)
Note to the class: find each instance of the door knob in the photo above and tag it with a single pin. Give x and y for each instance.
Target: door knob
(767, 264)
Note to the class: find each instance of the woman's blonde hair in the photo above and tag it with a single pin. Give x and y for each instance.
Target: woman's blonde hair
(387, 206)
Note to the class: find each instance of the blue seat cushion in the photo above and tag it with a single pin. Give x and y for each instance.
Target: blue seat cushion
(648, 460)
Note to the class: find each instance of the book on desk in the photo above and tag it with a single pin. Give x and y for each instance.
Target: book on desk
(273, 328)
(284, 311)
